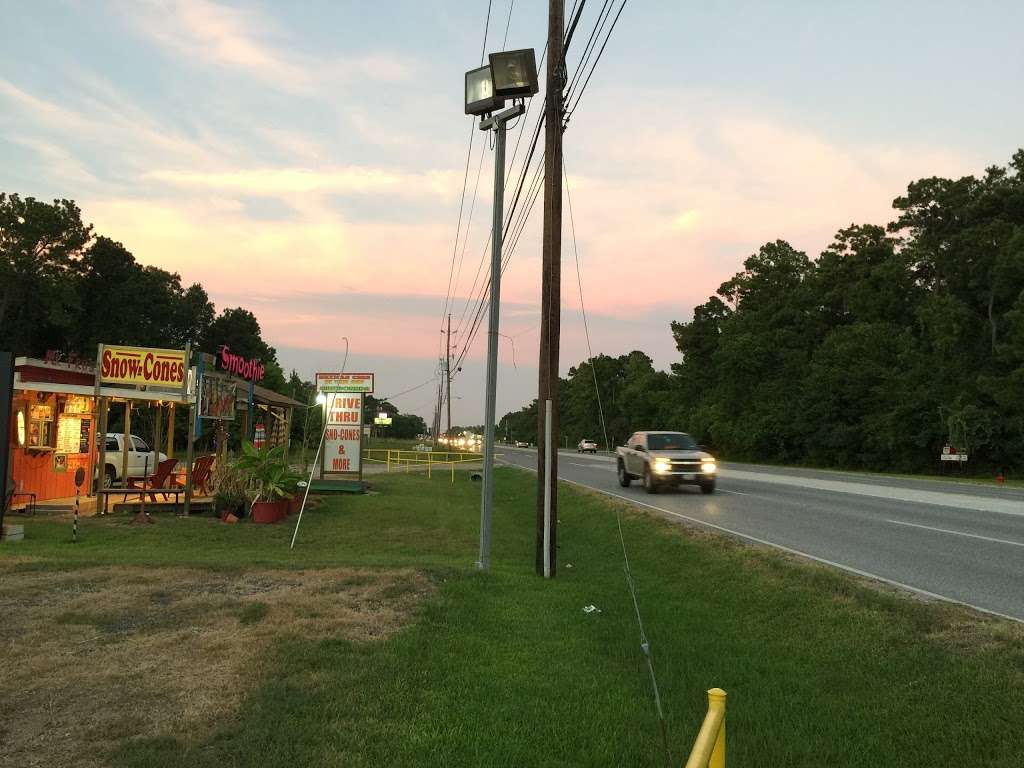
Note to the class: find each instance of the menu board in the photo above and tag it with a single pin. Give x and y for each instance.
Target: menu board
(83, 440)
(69, 434)
(74, 405)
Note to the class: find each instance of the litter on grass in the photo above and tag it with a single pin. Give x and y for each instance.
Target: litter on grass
(591, 609)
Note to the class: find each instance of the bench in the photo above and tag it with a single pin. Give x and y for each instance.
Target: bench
(106, 493)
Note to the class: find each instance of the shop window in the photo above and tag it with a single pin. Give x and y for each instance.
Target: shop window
(41, 433)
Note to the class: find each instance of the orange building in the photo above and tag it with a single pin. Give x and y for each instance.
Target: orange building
(53, 426)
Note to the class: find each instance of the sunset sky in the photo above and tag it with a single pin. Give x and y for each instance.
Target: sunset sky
(305, 159)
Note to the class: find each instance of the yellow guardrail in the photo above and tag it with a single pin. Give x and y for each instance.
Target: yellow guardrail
(398, 458)
(709, 748)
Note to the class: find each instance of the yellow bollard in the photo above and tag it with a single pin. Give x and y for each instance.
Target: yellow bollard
(709, 748)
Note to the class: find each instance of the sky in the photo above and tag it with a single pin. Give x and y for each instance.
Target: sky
(306, 160)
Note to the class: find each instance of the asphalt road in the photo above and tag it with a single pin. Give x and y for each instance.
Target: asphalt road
(940, 539)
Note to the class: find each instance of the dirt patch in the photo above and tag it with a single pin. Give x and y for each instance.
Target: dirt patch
(91, 657)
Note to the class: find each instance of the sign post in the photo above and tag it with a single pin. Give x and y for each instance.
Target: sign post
(79, 479)
(6, 400)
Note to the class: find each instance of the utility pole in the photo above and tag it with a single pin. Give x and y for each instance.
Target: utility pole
(448, 370)
(551, 287)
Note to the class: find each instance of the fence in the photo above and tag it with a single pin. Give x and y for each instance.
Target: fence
(709, 748)
(398, 458)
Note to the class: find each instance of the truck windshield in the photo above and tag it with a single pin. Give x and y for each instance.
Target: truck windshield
(671, 441)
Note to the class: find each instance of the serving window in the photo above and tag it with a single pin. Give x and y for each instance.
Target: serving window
(42, 435)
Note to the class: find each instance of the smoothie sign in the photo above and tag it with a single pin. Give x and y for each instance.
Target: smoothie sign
(250, 370)
(142, 365)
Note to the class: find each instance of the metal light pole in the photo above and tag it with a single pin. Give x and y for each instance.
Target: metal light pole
(509, 75)
(497, 124)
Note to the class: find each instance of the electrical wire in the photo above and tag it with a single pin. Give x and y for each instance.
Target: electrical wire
(645, 645)
(583, 308)
(431, 380)
(570, 110)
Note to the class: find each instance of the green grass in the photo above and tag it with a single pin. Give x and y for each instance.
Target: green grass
(505, 669)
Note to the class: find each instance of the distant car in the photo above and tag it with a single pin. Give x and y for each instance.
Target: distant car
(586, 446)
(522, 444)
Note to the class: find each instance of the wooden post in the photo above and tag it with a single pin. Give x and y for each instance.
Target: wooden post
(93, 446)
(551, 281)
(189, 456)
(158, 424)
(127, 441)
(101, 459)
(170, 431)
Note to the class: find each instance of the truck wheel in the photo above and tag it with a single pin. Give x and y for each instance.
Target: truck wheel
(708, 487)
(109, 476)
(649, 485)
(624, 478)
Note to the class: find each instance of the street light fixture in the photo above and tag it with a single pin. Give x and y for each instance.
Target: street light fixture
(480, 98)
(511, 75)
(514, 73)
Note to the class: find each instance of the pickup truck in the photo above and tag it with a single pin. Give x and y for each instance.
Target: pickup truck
(662, 459)
(140, 456)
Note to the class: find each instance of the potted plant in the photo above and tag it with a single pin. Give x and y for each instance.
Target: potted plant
(231, 489)
(268, 473)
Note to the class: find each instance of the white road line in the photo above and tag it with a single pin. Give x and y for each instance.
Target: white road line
(958, 533)
(815, 558)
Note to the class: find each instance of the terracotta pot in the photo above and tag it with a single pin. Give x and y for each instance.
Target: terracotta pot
(282, 508)
(294, 504)
(265, 512)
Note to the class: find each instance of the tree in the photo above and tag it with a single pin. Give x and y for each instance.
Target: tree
(240, 330)
(40, 247)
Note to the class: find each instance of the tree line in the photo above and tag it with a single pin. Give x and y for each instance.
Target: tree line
(65, 288)
(895, 341)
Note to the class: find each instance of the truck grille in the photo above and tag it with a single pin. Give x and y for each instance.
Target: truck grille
(686, 465)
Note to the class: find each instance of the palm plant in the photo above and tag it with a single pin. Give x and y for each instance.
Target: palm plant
(268, 471)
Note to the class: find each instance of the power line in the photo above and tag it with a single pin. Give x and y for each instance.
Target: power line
(594, 66)
(465, 179)
(431, 380)
(588, 48)
(511, 5)
(583, 308)
(478, 311)
(645, 645)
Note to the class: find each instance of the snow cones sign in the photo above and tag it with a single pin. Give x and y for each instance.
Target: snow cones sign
(163, 368)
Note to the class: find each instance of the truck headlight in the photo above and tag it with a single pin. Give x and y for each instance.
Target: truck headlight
(708, 467)
(662, 465)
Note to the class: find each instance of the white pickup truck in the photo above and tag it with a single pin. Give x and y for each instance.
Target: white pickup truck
(140, 458)
(665, 459)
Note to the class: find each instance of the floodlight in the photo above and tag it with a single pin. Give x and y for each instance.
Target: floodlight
(321, 398)
(480, 97)
(514, 73)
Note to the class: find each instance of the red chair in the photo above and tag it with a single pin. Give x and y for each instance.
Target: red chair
(156, 481)
(201, 471)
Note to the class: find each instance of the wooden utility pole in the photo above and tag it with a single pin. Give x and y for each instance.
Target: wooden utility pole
(551, 287)
(448, 370)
